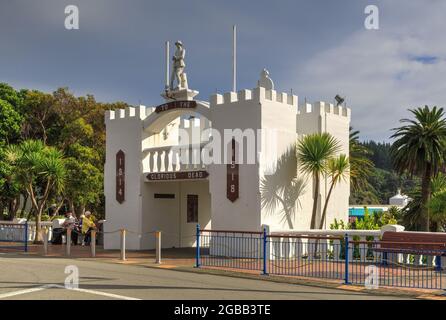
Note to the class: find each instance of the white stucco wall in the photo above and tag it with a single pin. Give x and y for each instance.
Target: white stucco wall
(279, 122)
(123, 133)
(137, 131)
(325, 117)
(141, 213)
(235, 111)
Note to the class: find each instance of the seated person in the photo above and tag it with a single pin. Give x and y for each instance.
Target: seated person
(58, 231)
(87, 226)
(70, 222)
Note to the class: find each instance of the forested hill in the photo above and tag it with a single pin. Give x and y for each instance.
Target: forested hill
(380, 154)
(384, 181)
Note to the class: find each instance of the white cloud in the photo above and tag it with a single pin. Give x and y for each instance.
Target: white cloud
(379, 72)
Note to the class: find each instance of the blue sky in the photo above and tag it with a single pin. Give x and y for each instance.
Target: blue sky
(318, 48)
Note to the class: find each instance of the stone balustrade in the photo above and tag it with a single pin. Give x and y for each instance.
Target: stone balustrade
(294, 244)
(173, 159)
(13, 230)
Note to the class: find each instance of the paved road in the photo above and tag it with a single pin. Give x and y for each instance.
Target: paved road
(25, 277)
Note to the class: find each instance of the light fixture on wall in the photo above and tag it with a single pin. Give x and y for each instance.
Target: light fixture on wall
(339, 100)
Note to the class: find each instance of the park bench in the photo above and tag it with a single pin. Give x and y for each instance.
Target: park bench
(416, 243)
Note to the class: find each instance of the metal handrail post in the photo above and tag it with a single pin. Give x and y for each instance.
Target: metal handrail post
(197, 253)
(265, 253)
(346, 259)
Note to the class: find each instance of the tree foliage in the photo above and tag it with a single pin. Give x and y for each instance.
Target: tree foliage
(313, 153)
(338, 170)
(361, 166)
(381, 180)
(40, 170)
(420, 149)
(73, 127)
(10, 123)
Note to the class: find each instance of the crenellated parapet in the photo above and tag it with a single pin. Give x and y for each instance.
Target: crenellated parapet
(258, 94)
(140, 112)
(321, 108)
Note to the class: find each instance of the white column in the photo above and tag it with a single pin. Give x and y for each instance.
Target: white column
(363, 249)
(417, 260)
(405, 257)
(165, 160)
(297, 243)
(151, 161)
(376, 254)
(430, 260)
(310, 248)
(170, 160)
(336, 247)
(323, 248)
(351, 248)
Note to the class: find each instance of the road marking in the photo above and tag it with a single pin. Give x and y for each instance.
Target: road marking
(48, 286)
(17, 293)
(105, 294)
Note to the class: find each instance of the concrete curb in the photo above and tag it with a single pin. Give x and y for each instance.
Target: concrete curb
(309, 283)
(400, 292)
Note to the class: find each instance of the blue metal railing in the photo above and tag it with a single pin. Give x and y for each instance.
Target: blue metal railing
(318, 257)
(345, 259)
(230, 249)
(405, 267)
(197, 252)
(265, 252)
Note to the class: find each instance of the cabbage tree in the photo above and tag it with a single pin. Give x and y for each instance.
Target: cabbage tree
(40, 170)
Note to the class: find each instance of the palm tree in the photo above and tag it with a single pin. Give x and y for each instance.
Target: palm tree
(420, 150)
(361, 166)
(313, 152)
(40, 170)
(338, 169)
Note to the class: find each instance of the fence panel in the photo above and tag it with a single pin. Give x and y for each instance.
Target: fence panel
(306, 256)
(410, 268)
(231, 249)
(350, 259)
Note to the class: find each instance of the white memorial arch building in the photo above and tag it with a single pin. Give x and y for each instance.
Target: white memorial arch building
(147, 188)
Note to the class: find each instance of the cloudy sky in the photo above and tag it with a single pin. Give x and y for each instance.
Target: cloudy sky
(318, 48)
